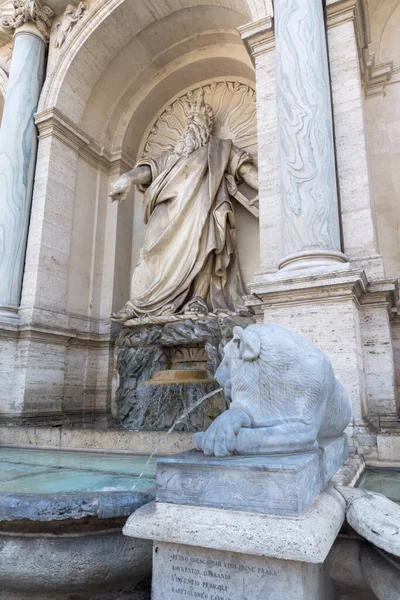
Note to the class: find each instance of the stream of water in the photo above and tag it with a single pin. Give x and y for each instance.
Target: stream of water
(170, 430)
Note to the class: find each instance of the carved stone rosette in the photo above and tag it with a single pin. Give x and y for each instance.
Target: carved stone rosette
(30, 11)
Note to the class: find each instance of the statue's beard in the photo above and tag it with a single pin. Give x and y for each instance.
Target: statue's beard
(196, 135)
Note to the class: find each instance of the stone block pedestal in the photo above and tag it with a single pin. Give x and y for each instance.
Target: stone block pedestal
(214, 553)
(275, 484)
(217, 554)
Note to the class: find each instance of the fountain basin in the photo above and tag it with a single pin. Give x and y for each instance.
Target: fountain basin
(382, 481)
(68, 545)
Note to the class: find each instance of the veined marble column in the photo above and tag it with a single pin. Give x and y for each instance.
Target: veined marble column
(18, 144)
(311, 232)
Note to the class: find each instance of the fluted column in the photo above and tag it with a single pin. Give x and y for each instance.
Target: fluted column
(310, 213)
(18, 144)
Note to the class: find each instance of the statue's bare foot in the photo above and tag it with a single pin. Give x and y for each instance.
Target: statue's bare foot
(127, 312)
(196, 306)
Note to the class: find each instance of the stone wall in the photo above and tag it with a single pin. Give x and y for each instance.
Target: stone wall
(382, 115)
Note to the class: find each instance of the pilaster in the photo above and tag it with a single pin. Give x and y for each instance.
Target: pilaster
(348, 38)
(259, 39)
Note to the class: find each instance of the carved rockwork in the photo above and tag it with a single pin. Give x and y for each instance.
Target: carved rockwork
(145, 349)
(30, 11)
(71, 16)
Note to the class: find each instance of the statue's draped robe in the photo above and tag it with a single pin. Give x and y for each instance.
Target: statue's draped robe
(189, 245)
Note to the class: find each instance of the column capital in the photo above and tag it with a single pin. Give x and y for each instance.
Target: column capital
(29, 11)
(258, 36)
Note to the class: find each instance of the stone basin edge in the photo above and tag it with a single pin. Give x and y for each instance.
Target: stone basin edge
(63, 506)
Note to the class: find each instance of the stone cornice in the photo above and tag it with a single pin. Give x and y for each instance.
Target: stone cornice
(52, 122)
(377, 76)
(258, 37)
(284, 288)
(383, 292)
(55, 335)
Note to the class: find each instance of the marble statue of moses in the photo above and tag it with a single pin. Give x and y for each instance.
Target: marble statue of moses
(188, 262)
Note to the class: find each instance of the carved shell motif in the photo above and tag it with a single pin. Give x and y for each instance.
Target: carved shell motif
(234, 106)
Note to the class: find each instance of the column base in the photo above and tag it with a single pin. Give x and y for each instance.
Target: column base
(9, 314)
(312, 259)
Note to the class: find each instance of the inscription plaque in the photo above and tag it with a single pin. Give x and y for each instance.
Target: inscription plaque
(182, 572)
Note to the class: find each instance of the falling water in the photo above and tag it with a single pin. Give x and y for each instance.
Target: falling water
(170, 430)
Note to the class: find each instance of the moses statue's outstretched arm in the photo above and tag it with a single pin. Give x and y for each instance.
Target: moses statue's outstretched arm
(138, 176)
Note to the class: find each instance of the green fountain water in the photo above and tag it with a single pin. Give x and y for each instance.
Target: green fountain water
(58, 471)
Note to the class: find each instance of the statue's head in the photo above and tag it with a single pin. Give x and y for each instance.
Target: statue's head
(200, 121)
(240, 362)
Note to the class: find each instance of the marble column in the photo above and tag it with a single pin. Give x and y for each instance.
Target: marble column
(310, 211)
(18, 144)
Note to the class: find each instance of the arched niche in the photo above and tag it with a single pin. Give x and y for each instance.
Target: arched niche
(385, 23)
(161, 61)
(382, 114)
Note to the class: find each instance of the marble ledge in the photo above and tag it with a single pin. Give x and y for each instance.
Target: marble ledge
(353, 283)
(110, 440)
(58, 333)
(292, 282)
(307, 538)
(47, 318)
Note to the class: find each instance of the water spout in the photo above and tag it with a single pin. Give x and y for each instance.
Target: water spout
(170, 430)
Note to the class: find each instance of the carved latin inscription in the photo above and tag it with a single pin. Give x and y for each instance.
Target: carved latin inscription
(183, 572)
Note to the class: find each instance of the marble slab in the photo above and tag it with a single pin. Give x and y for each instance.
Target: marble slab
(278, 484)
(271, 484)
(192, 572)
(333, 454)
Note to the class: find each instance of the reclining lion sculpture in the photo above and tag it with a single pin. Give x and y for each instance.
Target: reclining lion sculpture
(284, 395)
